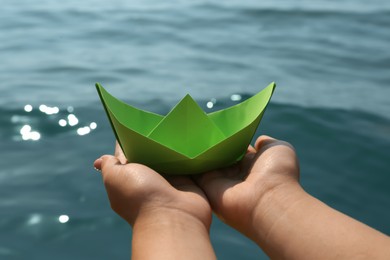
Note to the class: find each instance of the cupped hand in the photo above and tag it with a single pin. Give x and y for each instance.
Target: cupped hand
(135, 190)
(236, 193)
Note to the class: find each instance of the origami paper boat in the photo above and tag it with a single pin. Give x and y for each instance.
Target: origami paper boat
(186, 140)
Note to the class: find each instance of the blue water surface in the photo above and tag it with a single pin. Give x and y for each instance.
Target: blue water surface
(330, 60)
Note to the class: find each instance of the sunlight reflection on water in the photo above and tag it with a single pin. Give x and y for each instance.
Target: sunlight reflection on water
(235, 97)
(33, 123)
(27, 134)
(34, 219)
(63, 219)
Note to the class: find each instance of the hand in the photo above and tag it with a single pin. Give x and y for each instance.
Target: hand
(236, 193)
(170, 218)
(135, 190)
(261, 197)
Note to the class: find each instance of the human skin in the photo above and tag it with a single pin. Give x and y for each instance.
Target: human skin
(170, 218)
(260, 197)
(265, 201)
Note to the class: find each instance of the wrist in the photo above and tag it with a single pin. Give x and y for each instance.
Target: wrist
(271, 206)
(170, 234)
(168, 218)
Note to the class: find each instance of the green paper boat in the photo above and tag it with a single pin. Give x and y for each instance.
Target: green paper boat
(186, 140)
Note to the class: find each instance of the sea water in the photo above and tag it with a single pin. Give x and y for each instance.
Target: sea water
(330, 60)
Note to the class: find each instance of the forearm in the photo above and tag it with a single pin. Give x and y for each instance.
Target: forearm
(170, 235)
(292, 224)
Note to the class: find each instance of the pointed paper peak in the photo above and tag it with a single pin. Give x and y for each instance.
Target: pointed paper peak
(188, 98)
(187, 129)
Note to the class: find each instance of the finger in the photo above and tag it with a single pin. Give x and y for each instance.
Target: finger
(178, 181)
(111, 169)
(263, 141)
(215, 184)
(268, 158)
(108, 162)
(119, 153)
(251, 149)
(246, 163)
(186, 184)
(98, 164)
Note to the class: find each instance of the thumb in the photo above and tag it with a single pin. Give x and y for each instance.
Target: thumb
(108, 163)
(106, 159)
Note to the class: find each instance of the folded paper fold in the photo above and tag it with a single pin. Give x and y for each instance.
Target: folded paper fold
(186, 140)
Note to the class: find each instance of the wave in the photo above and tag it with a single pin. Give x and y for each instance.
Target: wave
(50, 125)
(304, 10)
(213, 11)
